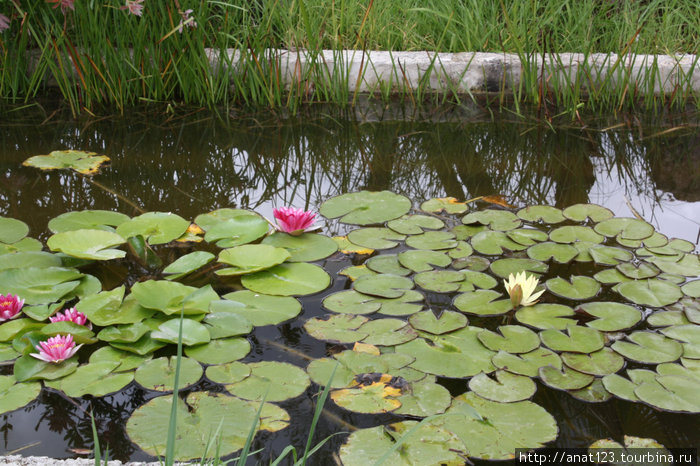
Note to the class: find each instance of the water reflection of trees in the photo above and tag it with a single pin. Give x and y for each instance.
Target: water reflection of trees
(195, 166)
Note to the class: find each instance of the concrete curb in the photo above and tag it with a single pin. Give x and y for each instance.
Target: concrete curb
(469, 72)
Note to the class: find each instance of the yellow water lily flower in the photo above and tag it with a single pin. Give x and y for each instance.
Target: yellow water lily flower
(521, 289)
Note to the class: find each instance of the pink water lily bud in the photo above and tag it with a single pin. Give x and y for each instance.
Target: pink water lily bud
(293, 221)
(56, 349)
(9, 307)
(70, 315)
(134, 7)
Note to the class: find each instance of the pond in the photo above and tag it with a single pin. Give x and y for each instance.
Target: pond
(194, 164)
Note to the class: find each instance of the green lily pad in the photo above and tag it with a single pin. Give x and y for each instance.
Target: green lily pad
(83, 162)
(232, 227)
(376, 238)
(441, 281)
(40, 285)
(126, 361)
(527, 364)
(21, 259)
(692, 289)
(667, 318)
(575, 233)
(688, 265)
(187, 264)
(25, 244)
(624, 388)
(593, 393)
(510, 338)
(608, 255)
(611, 277)
(577, 339)
(504, 267)
(221, 324)
(568, 379)
(415, 224)
(171, 297)
(107, 308)
(12, 230)
(124, 333)
(423, 260)
(94, 379)
(474, 263)
(610, 316)
(546, 316)
(425, 398)
(155, 227)
(464, 232)
(506, 388)
(432, 240)
(200, 416)
(159, 374)
(387, 332)
(670, 393)
(87, 220)
(388, 263)
(276, 381)
(307, 247)
(499, 220)
(448, 205)
(638, 272)
(648, 347)
(561, 253)
(482, 303)
(384, 285)
(448, 321)
(231, 372)
(342, 328)
(541, 213)
(457, 354)
(583, 212)
(492, 430)
(651, 292)
(354, 272)
(259, 309)
(688, 335)
(8, 353)
(527, 236)
(250, 258)
(193, 333)
(143, 346)
(365, 207)
(81, 334)
(372, 398)
(29, 368)
(42, 311)
(462, 250)
(424, 445)
(16, 395)
(349, 364)
(494, 243)
(625, 228)
(297, 279)
(346, 247)
(578, 288)
(602, 362)
(219, 351)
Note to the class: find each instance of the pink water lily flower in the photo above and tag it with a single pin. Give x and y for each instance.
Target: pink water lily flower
(56, 349)
(64, 4)
(135, 7)
(10, 306)
(70, 315)
(293, 221)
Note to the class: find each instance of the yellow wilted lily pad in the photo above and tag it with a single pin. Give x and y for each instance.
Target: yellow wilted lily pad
(371, 393)
(83, 162)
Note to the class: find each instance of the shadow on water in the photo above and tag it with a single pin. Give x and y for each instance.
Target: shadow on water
(197, 163)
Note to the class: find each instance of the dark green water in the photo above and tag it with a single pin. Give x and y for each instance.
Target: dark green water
(196, 163)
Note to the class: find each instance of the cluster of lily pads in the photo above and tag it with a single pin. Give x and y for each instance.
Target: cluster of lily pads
(426, 299)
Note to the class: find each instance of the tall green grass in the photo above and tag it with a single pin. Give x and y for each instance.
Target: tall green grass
(99, 57)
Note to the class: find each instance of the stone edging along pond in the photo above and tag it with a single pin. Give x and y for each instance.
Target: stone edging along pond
(466, 72)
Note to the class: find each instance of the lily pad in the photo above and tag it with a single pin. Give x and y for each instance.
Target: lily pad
(610, 277)
(171, 297)
(432, 240)
(648, 347)
(231, 372)
(651, 292)
(583, 212)
(506, 388)
(342, 328)
(602, 362)
(593, 393)
(441, 281)
(670, 393)
(219, 351)
(384, 285)
(387, 332)
(568, 379)
(688, 335)
(87, 244)
(307, 247)
(29, 368)
(577, 339)
(462, 250)
(126, 361)
(527, 364)
(221, 324)
(388, 263)
(541, 213)
(376, 238)
(354, 272)
(352, 302)
(499, 220)
(14, 396)
(12, 230)
(159, 374)
(188, 264)
(40, 285)
(474, 263)
(21, 259)
(482, 303)
(155, 227)
(250, 258)
(448, 205)
(275, 381)
(624, 388)
(83, 162)
(692, 289)
(94, 379)
(494, 243)
(688, 265)
(608, 255)
(575, 233)
(259, 309)
(667, 318)
(510, 338)
(527, 236)
(638, 271)
(611, 317)
(422, 260)
(625, 228)
(232, 227)
(365, 207)
(511, 265)
(25, 244)
(561, 253)
(193, 333)
(415, 224)
(375, 397)
(297, 279)
(425, 398)
(546, 316)
(87, 220)
(346, 247)
(578, 288)
(448, 321)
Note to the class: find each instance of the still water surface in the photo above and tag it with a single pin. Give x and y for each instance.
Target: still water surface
(194, 164)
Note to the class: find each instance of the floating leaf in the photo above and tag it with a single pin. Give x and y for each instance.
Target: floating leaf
(143, 346)
(87, 244)
(193, 333)
(83, 162)
(482, 303)
(372, 398)
(602, 362)
(651, 292)
(494, 243)
(510, 338)
(583, 212)
(692, 289)
(231, 372)
(577, 339)
(12, 230)
(384, 285)
(527, 364)
(448, 321)
(15, 395)
(387, 332)
(688, 266)
(667, 318)
(352, 302)
(441, 281)
(389, 264)
(432, 240)
(25, 244)
(464, 232)
(504, 267)
(462, 250)
(593, 393)
(506, 388)
(346, 247)
(155, 227)
(126, 361)
(578, 288)
(449, 205)
(415, 224)
(610, 276)
(307, 247)
(649, 348)
(475, 263)
(259, 309)
(625, 228)
(607, 255)
(354, 272)
(159, 374)
(670, 393)
(527, 236)
(421, 260)
(365, 207)
(22, 259)
(250, 258)
(568, 379)
(425, 398)
(541, 213)
(30, 368)
(611, 317)
(187, 264)
(546, 316)
(624, 388)
(561, 253)
(342, 328)
(40, 285)
(221, 324)
(499, 220)
(638, 271)
(232, 227)
(689, 335)
(297, 279)
(171, 297)
(87, 220)
(219, 351)
(575, 233)
(275, 381)
(94, 379)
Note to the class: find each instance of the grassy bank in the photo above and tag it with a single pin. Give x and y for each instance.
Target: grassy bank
(101, 53)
